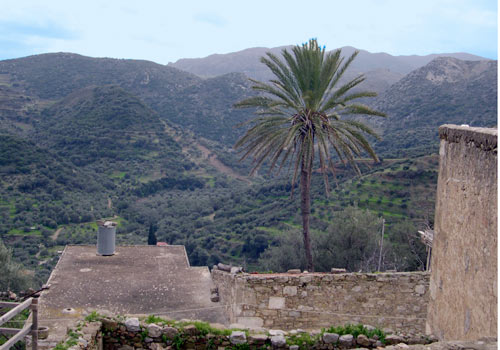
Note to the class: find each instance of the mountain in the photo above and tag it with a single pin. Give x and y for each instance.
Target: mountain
(206, 108)
(203, 106)
(32, 83)
(371, 64)
(110, 129)
(86, 138)
(245, 61)
(445, 91)
(55, 75)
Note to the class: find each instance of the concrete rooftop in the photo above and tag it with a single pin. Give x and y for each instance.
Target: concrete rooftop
(137, 280)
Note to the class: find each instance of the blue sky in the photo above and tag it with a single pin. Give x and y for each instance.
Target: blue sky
(165, 31)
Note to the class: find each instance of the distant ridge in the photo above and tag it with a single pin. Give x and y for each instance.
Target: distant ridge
(247, 62)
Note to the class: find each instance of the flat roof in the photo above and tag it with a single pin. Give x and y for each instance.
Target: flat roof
(136, 280)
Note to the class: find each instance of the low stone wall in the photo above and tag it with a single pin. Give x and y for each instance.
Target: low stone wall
(132, 334)
(287, 301)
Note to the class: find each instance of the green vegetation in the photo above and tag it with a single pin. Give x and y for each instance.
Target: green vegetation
(356, 330)
(12, 276)
(17, 322)
(71, 340)
(94, 316)
(303, 340)
(74, 149)
(302, 117)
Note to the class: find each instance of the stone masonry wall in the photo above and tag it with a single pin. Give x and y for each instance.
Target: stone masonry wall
(463, 285)
(289, 301)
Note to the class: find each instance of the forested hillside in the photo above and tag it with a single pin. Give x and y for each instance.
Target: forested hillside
(150, 146)
(446, 90)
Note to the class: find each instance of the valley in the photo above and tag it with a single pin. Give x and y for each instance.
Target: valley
(145, 144)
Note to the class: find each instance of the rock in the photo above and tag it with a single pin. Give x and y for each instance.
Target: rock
(191, 330)
(402, 346)
(154, 331)
(294, 271)
(388, 331)
(346, 341)
(258, 339)
(431, 338)
(109, 325)
(12, 295)
(224, 267)
(237, 325)
(274, 332)
(290, 290)
(363, 340)
(315, 332)
(126, 347)
(393, 339)
(420, 289)
(238, 337)
(378, 344)
(294, 347)
(417, 339)
(148, 340)
(337, 271)
(156, 346)
(170, 332)
(132, 324)
(214, 298)
(82, 342)
(278, 341)
(330, 338)
(368, 327)
(236, 269)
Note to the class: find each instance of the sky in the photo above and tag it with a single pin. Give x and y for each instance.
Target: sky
(164, 30)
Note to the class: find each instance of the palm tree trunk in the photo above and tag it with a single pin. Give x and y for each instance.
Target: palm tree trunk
(305, 207)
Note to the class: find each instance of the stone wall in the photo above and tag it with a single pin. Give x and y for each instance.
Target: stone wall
(463, 285)
(289, 301)
(117, 333)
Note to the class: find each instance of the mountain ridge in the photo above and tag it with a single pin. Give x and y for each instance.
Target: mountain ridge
(248, 62)
(446, 90)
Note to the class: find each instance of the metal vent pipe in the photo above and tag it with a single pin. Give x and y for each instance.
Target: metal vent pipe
(106, 236)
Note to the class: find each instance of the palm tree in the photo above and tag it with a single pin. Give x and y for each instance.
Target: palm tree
(300, 117)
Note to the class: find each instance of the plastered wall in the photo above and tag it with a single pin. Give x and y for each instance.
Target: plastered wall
(463, 285)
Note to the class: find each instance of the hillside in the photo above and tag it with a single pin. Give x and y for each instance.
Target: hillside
(151, 146)
(207, 109)
(237, 226)
(39, 193)
(34, 82)
(55, 75)
(445, 91)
